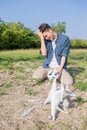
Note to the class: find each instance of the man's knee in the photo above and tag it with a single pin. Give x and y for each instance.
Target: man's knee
(40, 73)
(66, 78)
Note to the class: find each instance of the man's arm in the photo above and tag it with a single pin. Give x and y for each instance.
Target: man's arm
(43, 47)
(59, 70)
(64, 55)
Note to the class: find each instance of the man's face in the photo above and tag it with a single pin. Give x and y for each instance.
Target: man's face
(48, 34)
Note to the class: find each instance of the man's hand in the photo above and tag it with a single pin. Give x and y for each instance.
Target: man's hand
(40, 34)
(43, 47)
(59, 71)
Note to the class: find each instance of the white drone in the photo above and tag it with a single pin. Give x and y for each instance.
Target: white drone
(55, 96)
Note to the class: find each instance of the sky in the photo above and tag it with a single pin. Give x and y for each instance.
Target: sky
(32, 13)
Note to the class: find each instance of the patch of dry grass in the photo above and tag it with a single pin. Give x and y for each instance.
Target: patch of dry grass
(18, 88)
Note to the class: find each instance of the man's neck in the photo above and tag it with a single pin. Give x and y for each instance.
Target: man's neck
(54, 35)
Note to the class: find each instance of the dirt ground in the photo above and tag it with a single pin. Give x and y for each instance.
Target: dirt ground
(20, 93)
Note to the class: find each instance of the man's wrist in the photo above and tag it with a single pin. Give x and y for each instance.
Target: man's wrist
(61, 67)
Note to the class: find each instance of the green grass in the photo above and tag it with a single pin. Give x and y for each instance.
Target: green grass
(8, 85)
(77, 66)
(80, 100)
(8, 57)
(20, 55)
(77, 63)
(31, 92)
(3, 93)
(81, 85)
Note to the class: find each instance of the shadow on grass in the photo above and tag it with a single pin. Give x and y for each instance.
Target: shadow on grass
(74, 71)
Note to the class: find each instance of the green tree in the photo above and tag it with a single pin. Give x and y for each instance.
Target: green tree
(60, 27)
(16, 36)
(2, 28)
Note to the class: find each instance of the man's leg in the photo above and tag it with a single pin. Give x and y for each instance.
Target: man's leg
(40, 73)
(66, 78)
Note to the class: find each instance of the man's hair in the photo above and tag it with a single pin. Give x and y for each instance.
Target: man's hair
(43, 27)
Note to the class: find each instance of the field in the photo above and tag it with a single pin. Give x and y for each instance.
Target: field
(17, 89)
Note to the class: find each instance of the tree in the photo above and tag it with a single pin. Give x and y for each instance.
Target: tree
(2, 26)
(16, 36)
(60, 27)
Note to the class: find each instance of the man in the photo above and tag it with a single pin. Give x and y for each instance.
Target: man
(55, 47)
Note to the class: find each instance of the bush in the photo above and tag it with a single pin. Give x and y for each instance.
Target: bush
(16, 36)
(78, 44)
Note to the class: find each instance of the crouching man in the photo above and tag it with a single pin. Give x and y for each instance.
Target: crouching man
(55, 47)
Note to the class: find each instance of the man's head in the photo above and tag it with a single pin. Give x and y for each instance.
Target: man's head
(44, 27)
(47, 31)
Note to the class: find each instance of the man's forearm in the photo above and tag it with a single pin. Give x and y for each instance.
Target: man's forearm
(43, 47)
(63, 59)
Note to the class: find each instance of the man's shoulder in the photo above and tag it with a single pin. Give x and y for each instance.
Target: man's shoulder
(62, 36)
(62, 39)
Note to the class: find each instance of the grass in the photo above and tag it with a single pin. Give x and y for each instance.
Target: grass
(80, 100)
(31, 92)
(81, 85)
(2, 93)
(16, 69)
(19, 55)
(77, 66)
(7, 85)
(77, 63)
